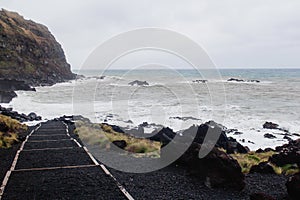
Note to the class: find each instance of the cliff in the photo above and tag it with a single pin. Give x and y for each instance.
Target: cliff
(30, 53)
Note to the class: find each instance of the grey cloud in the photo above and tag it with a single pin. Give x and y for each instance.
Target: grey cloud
(249, 33)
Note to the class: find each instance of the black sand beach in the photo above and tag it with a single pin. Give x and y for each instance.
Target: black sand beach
(53, 167)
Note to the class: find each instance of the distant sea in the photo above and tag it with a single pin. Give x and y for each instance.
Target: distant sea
(174, 99)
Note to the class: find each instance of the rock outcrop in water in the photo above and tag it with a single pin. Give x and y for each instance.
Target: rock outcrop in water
(242, 80)
(138, 83)
(28, 53)
(199, 81)
(271, 125)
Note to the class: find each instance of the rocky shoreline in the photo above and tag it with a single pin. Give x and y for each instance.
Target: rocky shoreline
(218, 175)
(225, 171)
(20, 117)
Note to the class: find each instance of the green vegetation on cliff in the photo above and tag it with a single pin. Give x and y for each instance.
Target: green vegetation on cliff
(29, 52)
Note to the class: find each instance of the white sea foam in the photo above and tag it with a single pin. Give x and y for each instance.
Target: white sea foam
(248, 106)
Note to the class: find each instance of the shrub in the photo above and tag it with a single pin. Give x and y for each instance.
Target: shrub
(12, 124)
(10, 131)
(106, 128)
(142, 146)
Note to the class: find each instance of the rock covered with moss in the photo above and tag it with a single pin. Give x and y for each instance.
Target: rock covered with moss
(30, 53)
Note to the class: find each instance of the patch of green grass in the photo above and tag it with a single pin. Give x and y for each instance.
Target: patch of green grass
(103, 135)
(246, 161)
(8, 139)
(250, 159)
(254, 158)
(290, 169)
(12, 124)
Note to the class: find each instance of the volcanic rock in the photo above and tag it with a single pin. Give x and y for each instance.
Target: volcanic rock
(218, 169)
(139, 83)
(287, 154)
(263, 168)
(269, 136)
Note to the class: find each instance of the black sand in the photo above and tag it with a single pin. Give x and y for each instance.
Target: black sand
(90, 182)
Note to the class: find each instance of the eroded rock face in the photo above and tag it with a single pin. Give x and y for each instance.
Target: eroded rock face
(30, 53)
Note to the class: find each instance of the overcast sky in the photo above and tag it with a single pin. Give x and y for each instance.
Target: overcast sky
(235, 33)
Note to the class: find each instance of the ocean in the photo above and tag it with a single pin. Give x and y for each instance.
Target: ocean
(175, 99)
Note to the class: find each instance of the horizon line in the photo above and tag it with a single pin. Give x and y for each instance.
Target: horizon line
(190, 68)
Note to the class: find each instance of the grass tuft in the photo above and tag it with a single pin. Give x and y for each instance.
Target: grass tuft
(246, 161)
(250, 159)
(10, 131)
